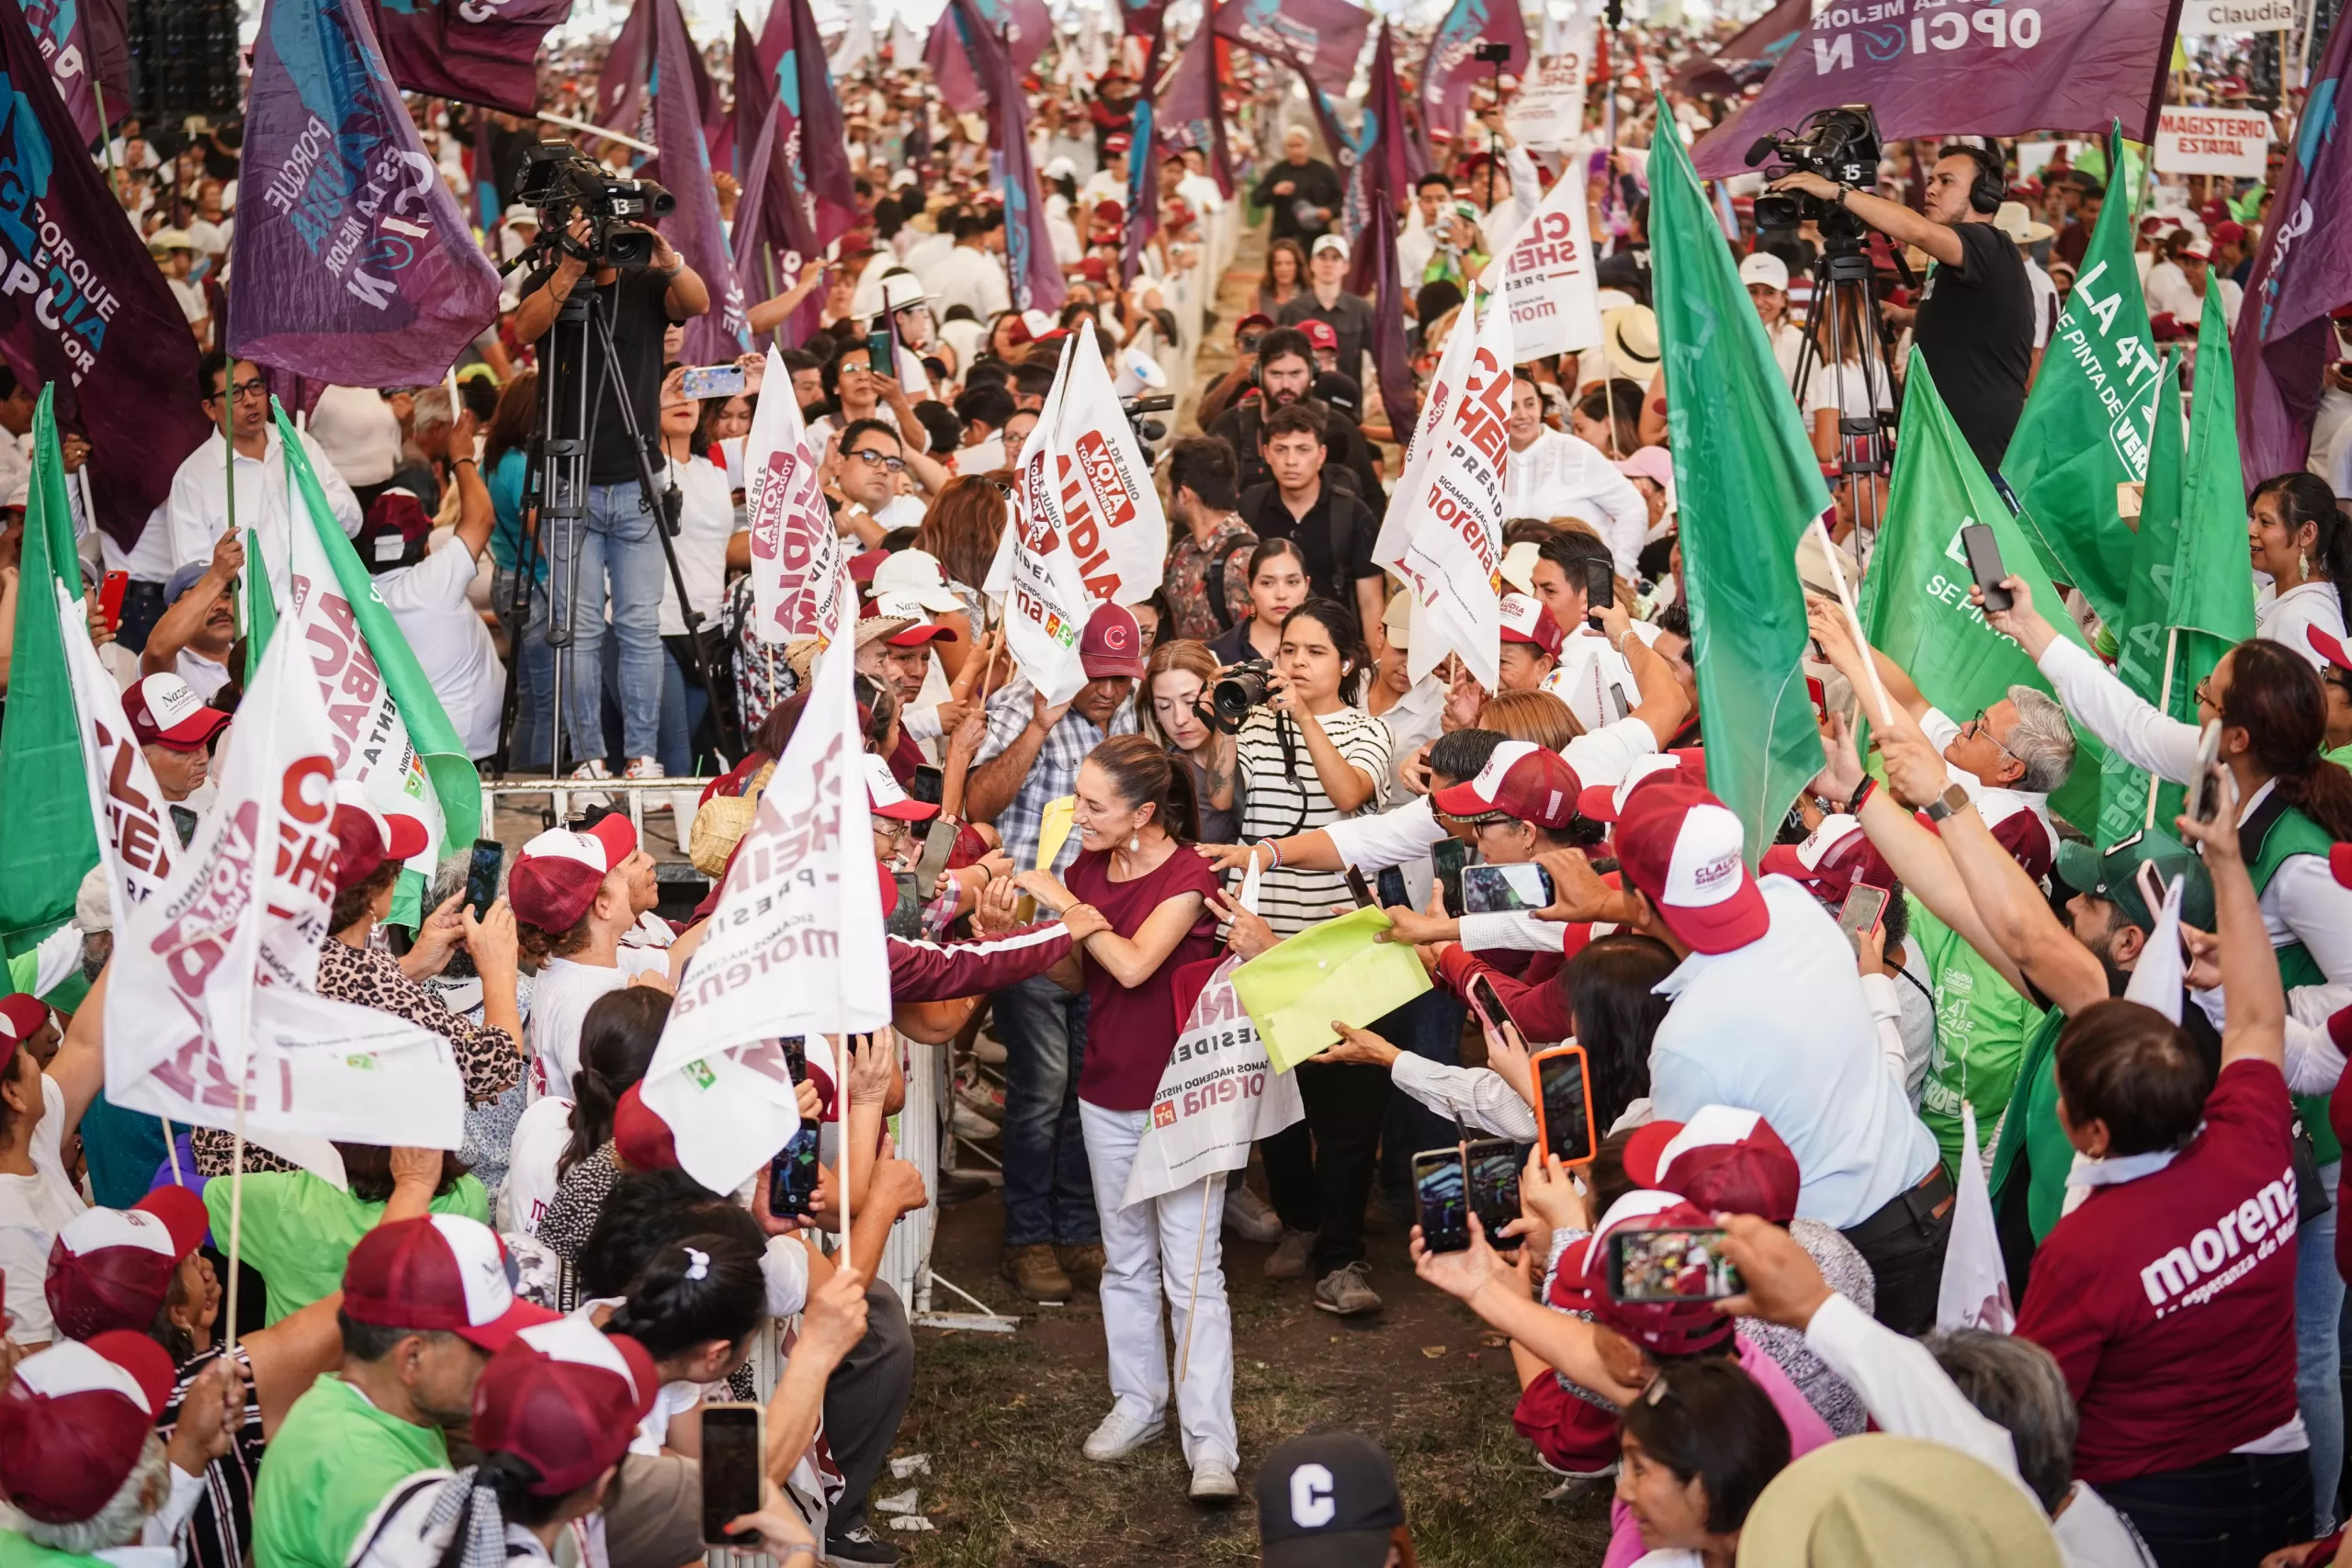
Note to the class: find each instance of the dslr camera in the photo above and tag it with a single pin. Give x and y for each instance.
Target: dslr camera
(1842, 145)
(1241, 687)
(565, 183)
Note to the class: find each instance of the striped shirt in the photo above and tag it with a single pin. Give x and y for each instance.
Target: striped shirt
(1052, 775)
(1283, 798)
(219, 1534)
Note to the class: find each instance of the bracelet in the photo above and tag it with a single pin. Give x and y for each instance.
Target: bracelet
(1274, 848)
(1862, 794)
(796, 1548)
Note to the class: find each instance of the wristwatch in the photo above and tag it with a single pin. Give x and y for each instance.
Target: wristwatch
(1954, 798)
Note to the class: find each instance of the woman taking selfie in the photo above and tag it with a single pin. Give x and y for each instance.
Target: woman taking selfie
(1176, 685)
(1277, 585)
(1135, 825)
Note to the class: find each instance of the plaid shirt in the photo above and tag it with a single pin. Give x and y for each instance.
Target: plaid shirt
(1052, 775)
(1186, 580)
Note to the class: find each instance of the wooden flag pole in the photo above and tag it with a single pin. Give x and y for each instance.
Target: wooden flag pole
(1192, 1308)
(2172, 647)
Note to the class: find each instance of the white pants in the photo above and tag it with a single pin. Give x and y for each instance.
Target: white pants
(1147, 1248)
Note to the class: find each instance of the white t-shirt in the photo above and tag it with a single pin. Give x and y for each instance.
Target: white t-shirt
(1560, 474)
(33, 1208)
(452, 645)
(706, 522)
(358, 431)
(190, 295)
(541, 1136)
(2286, 617)
(1595, 681)
(560, 997)
(204, 676)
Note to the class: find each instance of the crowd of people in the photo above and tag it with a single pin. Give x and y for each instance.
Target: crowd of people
(2133, 1049)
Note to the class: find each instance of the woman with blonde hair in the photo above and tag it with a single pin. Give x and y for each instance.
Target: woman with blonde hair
(1538, 716)
(1176, 684)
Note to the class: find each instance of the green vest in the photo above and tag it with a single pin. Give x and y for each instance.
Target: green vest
(2031, 1128)
(2291, 833)
(1981, 1024)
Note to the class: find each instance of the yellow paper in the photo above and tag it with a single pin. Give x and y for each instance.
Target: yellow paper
(1053, 829)
(1336, 970)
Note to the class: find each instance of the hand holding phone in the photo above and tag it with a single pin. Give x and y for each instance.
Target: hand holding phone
(1669, 1265)
(1984, 564)
(1563, 1122)
(2205, 785)
(1441, 1197)
(702, 381)
(734, 1462)
(482, 876)
(1861, 914)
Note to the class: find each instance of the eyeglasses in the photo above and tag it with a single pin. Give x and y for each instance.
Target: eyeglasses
(879, 458)
(255, 387)
(1980, 725)
(2202, 692)
(891, 830)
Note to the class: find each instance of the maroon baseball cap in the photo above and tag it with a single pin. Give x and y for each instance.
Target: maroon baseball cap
(22, 1016)
(640, 1137)
(567, 1397)
(441, 1271)
(74, 1419)
(1684, 765)
(1833, 857)
(884, 797)
(366, 836)
(1664, 1328)
(111, 1269)
(557, 875)
(1725, 1159)
(1254, 318)
(1521, 780)
(1681, 847)
(1525, 620)
(1112, 645)
(1319, 335)
(164, 710)
(396, 529)
(863, 565)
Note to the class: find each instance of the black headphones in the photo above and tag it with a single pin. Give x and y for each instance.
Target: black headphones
(1992, 185)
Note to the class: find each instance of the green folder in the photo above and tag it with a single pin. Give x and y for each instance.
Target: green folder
(1337, 969)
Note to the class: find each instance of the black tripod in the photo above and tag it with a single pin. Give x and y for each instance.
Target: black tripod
(1843, 336)
(556, 484)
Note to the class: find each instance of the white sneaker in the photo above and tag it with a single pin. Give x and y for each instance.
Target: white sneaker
(1119, 1435)
(987, 1051)
(1248, 1215)
(1213, 1482)
(971, 1126)
(591, 800)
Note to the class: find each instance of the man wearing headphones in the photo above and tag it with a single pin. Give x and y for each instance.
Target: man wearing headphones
(1974, 318)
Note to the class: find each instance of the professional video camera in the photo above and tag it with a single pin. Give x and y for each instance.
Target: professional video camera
(1148, 431)
(565, 183)
(1840, 145)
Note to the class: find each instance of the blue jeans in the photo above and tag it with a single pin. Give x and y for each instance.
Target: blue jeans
(534, 664)
(2225, 1513)
(1048, 1191)
(617, 555)
(2318, 1313)
(685, 705)
(1436, 1033)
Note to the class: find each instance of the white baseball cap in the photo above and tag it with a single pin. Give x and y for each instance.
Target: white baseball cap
(1764, 268)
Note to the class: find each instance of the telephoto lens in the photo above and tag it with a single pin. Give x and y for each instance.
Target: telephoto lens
(1237, 691)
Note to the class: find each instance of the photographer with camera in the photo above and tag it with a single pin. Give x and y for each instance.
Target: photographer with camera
(616, 543)
(1974, 318)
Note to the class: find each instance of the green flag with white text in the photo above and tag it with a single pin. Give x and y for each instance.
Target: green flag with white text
(1748, 485)
(51, 843)
(2085, 425)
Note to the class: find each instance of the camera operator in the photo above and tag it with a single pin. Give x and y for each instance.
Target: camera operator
(617, 537)
(1974, 320)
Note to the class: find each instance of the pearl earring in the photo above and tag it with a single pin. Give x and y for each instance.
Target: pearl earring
(1134, 843)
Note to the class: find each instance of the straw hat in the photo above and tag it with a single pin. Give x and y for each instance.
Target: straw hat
(1629, 341)
(721, 823)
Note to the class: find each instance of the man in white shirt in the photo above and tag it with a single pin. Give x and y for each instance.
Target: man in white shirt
(424, 585)
(175, 253)
(1506, 210)
(1197, 188)
(1418, 243)
(197, 514)
(1108, 183)
(1595, 677)
(972, 272)
(1552, 473)
(2177, 288)
(175, 731)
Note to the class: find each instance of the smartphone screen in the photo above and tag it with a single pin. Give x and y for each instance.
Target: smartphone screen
(482, 876)
(1439, 1196)
(1563, 1088)
(1865, 906)
(792, 1176)
(1494, 1184)
(2204, 790)
(1446, 857)
(1599, 591)
(882, 352)
(732, 1462)
(1359, 889)
(904, 918)
(1984, 564)
(1488, 889)
(1487, 1002)
(1671, 1266)
(928, 785)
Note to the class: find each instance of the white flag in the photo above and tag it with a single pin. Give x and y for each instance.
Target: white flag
(1444, 530)
(2157, 978)
(798, 568)
(1035, 577)
(138, 844)
(794, 948)
(1975, 1288)
(1102, 495)
(1547, 111)
(1546, 275)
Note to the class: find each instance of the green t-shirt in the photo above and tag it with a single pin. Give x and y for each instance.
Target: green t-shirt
(1980, 1028)
(19, 1552)
(298, 1229)
(334, 1458)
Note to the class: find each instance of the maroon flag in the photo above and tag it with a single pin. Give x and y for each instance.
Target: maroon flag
(87, 45)
(354, 265)
(772, 238)
(1750, 55)
(1190, 112)
(110, 338)
(2303, 271)
(1035, 277)
(1142, 161)
(810, 132)
(478, 53)
(1320, 38)
(1452, 63)
(1375, 265)
(720, 332)
(1979, 69)
(624, 105)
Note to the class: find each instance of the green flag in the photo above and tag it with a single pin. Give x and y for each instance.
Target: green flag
(51, 843)
(1915, 604)
(1748, 485)
(398, 725)
(260, 604)
(2085, 424)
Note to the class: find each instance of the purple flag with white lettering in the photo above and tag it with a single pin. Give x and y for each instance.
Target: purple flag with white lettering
(1975, 67)
(81, 303)
(1382, 173)
(1452, 63)
(623, 104)
(87, 45)
(1320, 38)
(481, 51)
(2303, 271)
(719, 334)
(1035, 277)
(1143, 162)
(810, 131)
(353, 262)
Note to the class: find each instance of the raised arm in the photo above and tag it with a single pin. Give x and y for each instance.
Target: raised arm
(186, 615)
(1664, 706)
(2257, 1007)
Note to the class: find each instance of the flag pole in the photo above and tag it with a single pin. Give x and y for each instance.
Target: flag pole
(841, 1106)
(1854, 623)
(1192, 1307)
(2172, 647)
(569, 123)
(106, 129)
(236, 1218)
(172, 1147)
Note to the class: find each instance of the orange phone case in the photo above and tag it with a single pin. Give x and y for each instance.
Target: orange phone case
(1543, 1128)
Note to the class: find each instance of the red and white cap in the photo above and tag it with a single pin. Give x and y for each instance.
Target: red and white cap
(1725, 1159)
(916, 575)
(897, 606)
(1833, 857)
(566, 1397)
(74, 1419)
(885, 798)
(164, 710)
(556, 876)
(1684, 765)
(1521, 780)
(366, 835)
(641, 1139)
(1526, 620)
(1681, 847)
(1666, 1328)
(22, 1016)
(111, 1269)
(442, 1272)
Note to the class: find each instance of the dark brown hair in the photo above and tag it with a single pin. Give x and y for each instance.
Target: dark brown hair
(617, 1036)
(961, 529)
(2275, 695)
(510, 423)
(352, 902)
(537, 946)
(1146, 775)
(1708, 1418)
(2133, 1068)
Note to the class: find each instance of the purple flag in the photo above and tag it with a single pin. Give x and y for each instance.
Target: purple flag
(82, 306)
(951, 68)
(1987, 70)
(353, 263)
(1143, 161)
(1749, 56)
(719, 334)
(810, 131)
(463, 48)
(87, 45)
(623, 104)
(1375, 265)
(1451, 64)
(2303, 271)
(1190, 108)
(1035, 277)
(1320, 38)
